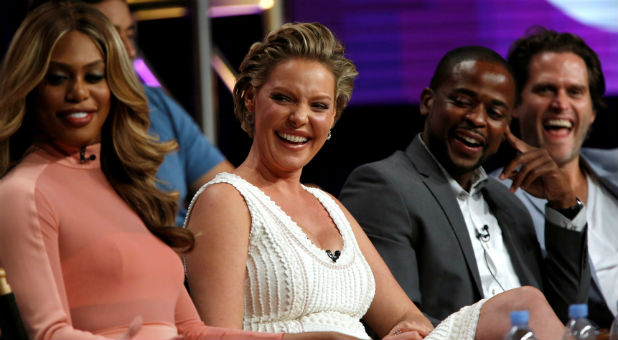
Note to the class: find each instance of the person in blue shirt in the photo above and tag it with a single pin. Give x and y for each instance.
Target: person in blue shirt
(197, 160)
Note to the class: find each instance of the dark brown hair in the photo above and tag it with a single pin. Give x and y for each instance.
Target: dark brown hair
(539, 40)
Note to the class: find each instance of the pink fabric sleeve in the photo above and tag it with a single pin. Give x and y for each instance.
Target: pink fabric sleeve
(29, 253)
(191, 327)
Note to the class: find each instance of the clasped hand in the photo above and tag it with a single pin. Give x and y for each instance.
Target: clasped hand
(408, 330)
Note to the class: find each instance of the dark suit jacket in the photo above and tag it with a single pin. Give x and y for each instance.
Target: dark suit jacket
(408, 209)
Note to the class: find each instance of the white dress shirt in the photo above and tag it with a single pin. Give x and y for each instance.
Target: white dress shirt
(602, 215)
(492, 258)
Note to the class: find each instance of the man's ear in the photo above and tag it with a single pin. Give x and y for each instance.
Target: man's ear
(250, 99)
(517, 110)
(594, 115)
(427, 98)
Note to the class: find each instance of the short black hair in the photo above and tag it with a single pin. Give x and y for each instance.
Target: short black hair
(538, 40)
(455, 56)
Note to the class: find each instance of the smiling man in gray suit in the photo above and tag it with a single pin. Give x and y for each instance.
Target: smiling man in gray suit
(451, 235)
(561, 85)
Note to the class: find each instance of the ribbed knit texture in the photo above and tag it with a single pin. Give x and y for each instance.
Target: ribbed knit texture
(292, 285)
(460, 325)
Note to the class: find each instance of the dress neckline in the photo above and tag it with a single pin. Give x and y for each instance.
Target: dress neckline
(86, 157)
(298, 233)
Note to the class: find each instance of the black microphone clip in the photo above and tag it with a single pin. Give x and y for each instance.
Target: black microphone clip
(82, 155)
(484, 234)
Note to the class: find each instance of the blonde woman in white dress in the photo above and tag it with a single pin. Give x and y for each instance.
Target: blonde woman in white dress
(274, 255)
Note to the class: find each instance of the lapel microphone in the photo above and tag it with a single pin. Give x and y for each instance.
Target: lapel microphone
(82, 155)
(483, 235)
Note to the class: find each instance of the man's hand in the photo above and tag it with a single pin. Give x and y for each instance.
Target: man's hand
(537, 173)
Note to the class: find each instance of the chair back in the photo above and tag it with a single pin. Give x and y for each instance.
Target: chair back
(11, 326)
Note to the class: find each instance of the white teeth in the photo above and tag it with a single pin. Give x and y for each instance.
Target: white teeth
(469, 140)
(293, 138)
(559, 123)
(78, 115)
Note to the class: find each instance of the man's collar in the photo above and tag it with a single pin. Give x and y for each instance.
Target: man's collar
(478, 179)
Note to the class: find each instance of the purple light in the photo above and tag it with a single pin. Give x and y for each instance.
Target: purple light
(396, 44)
(234, 10)
(144, 73)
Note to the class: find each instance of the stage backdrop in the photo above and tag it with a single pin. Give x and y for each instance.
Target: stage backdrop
(396, 44)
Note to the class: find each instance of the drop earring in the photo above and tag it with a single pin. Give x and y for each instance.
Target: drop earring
(329, 135)
(250, 118)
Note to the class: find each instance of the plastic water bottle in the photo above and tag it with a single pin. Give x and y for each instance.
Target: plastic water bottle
(519, 327)
(613, 330)
(579, 327)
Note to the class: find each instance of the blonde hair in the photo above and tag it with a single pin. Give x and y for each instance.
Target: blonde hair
(311, 41)
(130, 157)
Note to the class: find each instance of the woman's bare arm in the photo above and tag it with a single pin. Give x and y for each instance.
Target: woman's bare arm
(216, 268)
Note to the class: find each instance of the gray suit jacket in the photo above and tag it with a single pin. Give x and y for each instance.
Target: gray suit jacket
(408, 209)
(604, 164)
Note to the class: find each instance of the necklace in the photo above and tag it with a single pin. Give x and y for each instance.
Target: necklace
(333, 256)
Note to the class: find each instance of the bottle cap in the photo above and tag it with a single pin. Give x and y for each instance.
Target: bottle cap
(578, 311)
(520, 317)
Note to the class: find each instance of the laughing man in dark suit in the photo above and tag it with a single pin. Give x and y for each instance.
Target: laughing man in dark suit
(451, 235)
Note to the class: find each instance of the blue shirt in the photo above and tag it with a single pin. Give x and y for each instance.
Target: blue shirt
(195, 155)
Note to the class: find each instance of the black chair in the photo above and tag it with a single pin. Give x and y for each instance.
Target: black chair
(11, 325)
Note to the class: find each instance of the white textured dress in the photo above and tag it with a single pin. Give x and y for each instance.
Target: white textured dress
(293, 286)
